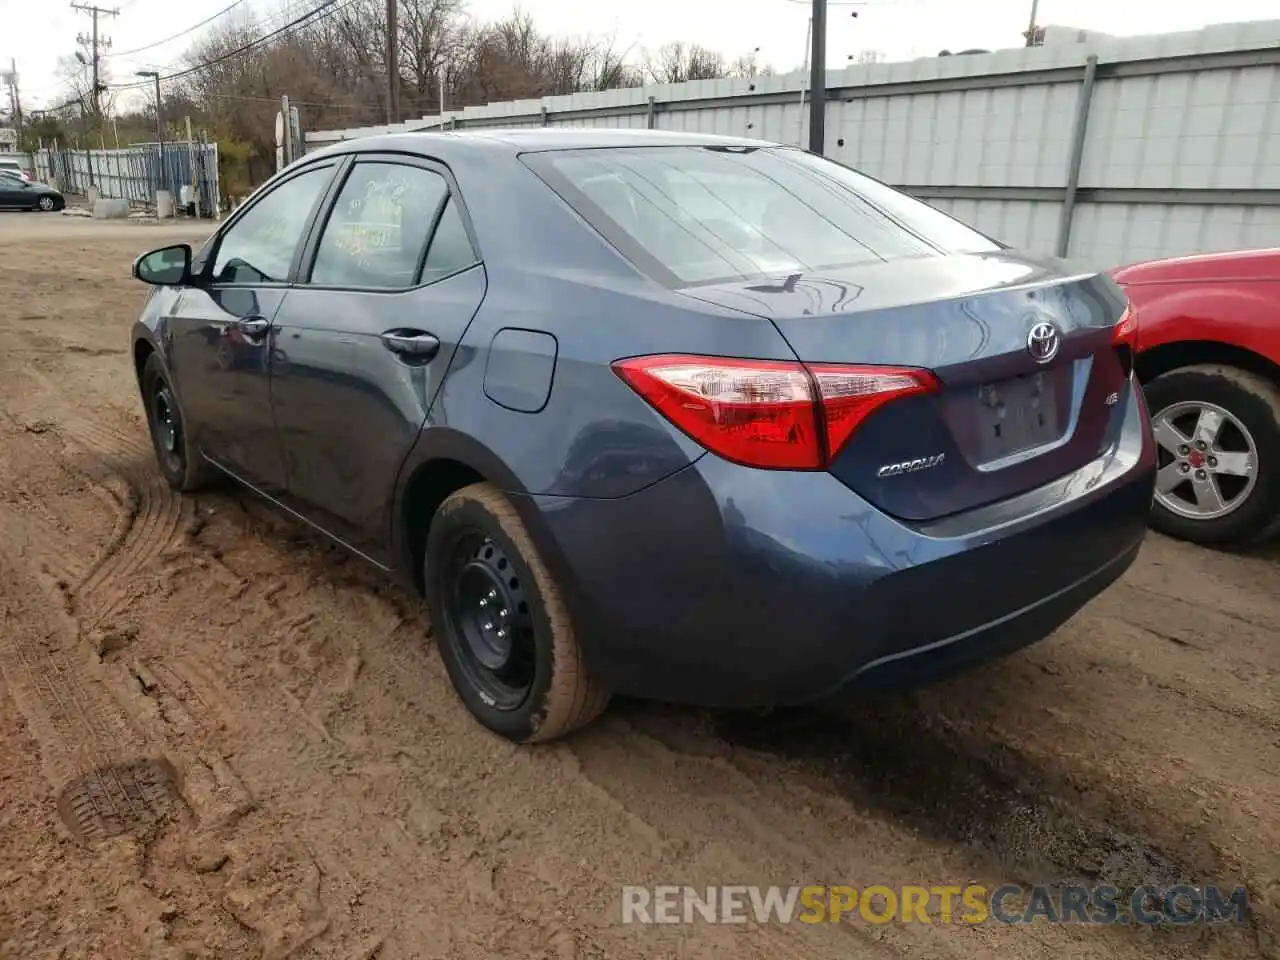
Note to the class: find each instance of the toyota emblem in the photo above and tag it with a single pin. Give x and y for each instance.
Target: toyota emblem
(1043, 342)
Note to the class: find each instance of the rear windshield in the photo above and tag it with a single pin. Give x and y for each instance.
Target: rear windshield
(692, 215)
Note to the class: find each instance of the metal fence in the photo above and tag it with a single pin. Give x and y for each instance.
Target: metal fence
(188, 170)
(1110, 150)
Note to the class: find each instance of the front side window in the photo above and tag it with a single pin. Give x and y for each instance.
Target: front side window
(259, 247)
(703, 214)
(377, 233)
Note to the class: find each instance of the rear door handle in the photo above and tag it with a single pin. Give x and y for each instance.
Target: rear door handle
(253, 327)
(411, 344)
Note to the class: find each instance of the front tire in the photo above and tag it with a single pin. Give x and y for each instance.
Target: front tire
(1217, 432)
(504, 631)
(46, 204)
(179, 460)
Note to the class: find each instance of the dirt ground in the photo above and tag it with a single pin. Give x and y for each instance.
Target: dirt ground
(221, 737)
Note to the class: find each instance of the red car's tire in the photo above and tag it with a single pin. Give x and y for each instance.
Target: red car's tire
(1238, 454)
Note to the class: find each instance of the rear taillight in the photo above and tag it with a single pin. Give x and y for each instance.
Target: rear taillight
(1124, 338)
(773, 414)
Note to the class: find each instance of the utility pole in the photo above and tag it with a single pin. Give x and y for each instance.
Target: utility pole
(155, 75)
(393, 63)
(10, 77)
(1031, 28)
(818, 79)
(94, 44)
(162, 172)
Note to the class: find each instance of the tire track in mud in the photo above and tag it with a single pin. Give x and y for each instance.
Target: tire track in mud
(150, 515)
(1010, 818)
(151, 522)
(110, 779)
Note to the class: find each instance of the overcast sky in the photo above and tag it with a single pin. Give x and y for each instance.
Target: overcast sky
(37, 32)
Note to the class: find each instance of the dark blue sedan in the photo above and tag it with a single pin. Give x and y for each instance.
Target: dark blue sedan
(681, 417)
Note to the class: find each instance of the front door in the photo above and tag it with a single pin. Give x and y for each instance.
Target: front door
(14, 191)
(222, 329)
(364, 340)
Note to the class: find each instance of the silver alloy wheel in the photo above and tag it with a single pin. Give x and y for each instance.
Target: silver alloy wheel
(46, 203)
(1200, 478)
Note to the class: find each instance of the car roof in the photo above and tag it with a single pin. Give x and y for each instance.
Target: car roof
(526, 139)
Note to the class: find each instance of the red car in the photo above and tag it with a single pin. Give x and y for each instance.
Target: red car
(1208, 357)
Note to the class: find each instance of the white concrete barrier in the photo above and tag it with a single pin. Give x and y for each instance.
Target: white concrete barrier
(108, 208)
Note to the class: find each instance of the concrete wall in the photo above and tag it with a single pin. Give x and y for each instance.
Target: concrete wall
(1179, 152)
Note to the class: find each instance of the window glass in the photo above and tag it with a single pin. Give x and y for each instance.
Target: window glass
(940, 229)
(259, 247)
(705, 214)
(379, 226)
(451, 248)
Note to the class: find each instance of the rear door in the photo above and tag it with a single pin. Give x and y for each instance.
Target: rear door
(364, 340)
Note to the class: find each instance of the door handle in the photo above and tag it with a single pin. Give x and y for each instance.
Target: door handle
(411, 344)
(253, 327)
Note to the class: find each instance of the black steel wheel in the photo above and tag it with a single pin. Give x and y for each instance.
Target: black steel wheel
(504, 631)
(180, 462)
(487, 610)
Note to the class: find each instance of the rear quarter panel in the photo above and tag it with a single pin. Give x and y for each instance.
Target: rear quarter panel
(549, 272)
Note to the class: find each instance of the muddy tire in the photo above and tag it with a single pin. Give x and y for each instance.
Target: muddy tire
(502, 625)
(1218, 442)
(179, 460)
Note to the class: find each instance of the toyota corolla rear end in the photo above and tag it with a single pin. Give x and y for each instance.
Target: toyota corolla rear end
(953, 460)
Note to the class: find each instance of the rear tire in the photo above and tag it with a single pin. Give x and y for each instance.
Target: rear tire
(1248, 408)
(181, 463)
(502, 625)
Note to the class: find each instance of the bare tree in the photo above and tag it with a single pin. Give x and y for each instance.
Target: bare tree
(678, 61)
(335, 70)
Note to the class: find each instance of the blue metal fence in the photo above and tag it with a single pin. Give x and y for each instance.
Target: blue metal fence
(136, 172)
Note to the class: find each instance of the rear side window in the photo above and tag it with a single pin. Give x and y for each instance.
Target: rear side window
(377, 231)
(451, 248)
(691, 215)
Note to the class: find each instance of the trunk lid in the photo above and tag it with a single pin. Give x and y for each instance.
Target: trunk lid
(1003, 421)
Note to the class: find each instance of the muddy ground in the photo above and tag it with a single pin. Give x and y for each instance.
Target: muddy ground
(220, 737)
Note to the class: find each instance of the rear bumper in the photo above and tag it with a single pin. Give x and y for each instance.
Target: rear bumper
(727, 586)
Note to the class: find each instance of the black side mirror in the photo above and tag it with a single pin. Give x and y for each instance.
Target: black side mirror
(166, 267)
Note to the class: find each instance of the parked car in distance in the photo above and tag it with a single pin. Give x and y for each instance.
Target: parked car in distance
(681, 417)
(18, 194)
(1208, 357)
(9, 166)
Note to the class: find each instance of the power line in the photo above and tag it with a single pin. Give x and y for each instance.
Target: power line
(181, 33)
(306, 19)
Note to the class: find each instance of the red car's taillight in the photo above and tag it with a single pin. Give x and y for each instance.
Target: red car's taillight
(773, 414)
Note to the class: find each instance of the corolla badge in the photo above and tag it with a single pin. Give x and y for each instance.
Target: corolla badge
(911, 466)
(1043, 342)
